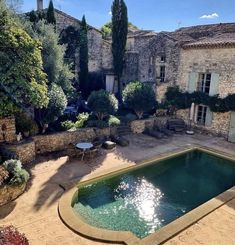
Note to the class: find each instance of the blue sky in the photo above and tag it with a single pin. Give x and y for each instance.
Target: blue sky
(158, 15)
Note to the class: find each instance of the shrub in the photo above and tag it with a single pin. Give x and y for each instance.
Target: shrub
(10, 235)
(113, 121)
(81, 120)
(12, 165)
(20, 176)
(139, 97)
(102, 103)
(24, 123)
(97, 124)
(66, 125)
(17, 175)
(131, 117)
(4, 174)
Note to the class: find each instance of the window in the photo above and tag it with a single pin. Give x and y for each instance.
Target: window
(162, 74)
(201, 114)
(204, 82)
(163, 58)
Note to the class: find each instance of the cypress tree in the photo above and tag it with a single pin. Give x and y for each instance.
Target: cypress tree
(83, 58)
(119, 38)
(51, 13)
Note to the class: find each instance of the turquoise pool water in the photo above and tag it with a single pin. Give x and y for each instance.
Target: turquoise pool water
(144, 200)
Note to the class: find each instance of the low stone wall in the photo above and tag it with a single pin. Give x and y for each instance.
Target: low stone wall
(9, 193)
(7, 129)
(60, 141)
(24, 150)
(139, 126)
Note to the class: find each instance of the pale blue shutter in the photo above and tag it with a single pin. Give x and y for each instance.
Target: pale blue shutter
(209, 117)
(214, 86)
(192, 83)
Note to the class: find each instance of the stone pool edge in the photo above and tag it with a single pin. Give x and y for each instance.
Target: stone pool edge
(75, 223)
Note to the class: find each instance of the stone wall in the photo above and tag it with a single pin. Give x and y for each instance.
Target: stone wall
(7, 129)
(95, 41)
(210, 60)
(220, 123)
(60, 141)
(139, 126)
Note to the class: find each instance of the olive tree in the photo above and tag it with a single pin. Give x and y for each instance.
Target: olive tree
(139, 97)
(102, 103)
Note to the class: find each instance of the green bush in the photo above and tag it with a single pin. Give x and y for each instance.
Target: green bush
(97, 124)
(81, 120)
(66, 125)
(20, 176)
(113, 121)
(12, 165)
(24, 123)
(17, 175)
(139, 97)
(102, 104)
(131, 117)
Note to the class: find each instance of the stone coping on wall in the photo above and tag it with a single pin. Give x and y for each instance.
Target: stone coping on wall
(78, 225)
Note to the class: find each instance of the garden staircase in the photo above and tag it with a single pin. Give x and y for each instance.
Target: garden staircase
(123, 130)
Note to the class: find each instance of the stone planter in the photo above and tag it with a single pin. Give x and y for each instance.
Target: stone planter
(9, 193)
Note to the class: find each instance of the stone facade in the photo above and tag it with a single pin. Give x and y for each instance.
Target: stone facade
(7, 129)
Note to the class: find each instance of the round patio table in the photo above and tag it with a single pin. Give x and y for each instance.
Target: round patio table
(84, 146)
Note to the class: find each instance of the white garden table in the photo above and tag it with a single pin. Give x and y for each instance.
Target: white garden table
(84, 146)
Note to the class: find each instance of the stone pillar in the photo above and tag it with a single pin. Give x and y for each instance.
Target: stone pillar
(39, 5)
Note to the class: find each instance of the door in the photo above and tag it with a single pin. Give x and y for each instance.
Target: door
(231, 136)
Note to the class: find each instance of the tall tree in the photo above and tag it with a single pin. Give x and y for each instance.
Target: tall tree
(51, 13)
(23, 82)
(119, 38)
(83, 58)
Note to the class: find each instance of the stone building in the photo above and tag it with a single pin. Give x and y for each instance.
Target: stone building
(187, 57)
(208, 66)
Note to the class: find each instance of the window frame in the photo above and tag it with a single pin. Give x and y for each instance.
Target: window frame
(201, 120)
(204, 82)
(162, 73)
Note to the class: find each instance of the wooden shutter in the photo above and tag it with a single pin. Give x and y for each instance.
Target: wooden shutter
(214, 86)
(192, 83)
(209, 117)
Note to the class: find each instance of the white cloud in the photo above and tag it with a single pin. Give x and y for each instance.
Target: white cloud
(110, 12)
(209, 16)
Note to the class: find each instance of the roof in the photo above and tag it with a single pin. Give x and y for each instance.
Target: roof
(74, 19)
(217, 41)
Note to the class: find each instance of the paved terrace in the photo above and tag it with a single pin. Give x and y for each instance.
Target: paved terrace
(35, 212)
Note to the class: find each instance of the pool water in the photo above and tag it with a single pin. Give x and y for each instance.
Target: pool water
(146, 199)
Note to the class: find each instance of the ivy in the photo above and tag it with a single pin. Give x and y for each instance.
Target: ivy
(183, 100)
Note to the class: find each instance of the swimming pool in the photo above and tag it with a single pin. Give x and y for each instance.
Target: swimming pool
(146, 199)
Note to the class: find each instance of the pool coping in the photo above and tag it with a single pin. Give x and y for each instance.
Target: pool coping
(76, 223)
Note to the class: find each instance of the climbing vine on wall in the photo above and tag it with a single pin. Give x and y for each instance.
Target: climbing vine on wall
(183, 100)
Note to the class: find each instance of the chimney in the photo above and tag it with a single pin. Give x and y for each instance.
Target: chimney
(40, 5)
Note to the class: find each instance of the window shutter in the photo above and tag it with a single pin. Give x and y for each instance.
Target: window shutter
(192, 83)
(214, 86)
(209, 117)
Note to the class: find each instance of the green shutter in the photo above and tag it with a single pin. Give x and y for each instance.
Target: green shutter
(209, 117)
(214, 86)
(192, 83)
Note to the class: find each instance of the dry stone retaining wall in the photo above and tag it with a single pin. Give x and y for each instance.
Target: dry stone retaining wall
(7, 129)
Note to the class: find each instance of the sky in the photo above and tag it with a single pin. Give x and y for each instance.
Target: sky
(157, 15)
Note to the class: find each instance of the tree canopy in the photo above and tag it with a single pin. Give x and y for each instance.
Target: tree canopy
(22, 80)
(83, 58)
(119, 38)
(51, 14)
